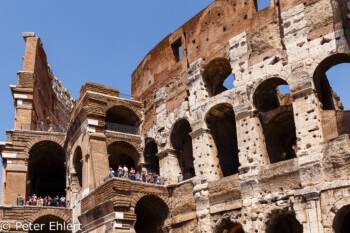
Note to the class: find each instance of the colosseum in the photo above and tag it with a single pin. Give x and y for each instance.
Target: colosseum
(246, 159)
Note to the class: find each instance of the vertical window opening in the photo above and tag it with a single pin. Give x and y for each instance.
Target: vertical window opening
(177, 50)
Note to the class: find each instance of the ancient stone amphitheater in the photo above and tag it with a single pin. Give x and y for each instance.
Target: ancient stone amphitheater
(247, 159)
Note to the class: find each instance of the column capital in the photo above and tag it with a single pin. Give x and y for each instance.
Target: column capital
(166, 152)
(199, 132)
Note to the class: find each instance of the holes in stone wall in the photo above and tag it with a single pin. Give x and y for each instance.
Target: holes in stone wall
(277, 119)
(151, 158)
(215, 75)
(222, 124)
(182, 143)
(177, 50)
(46, 170)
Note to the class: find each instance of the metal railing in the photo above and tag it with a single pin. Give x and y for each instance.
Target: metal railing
(128, 97)
(122, 128)
(47, 128)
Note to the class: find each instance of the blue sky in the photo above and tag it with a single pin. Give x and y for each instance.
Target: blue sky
(98, 41)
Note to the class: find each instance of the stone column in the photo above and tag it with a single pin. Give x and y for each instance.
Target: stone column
(314, 215)
(99, 158)
(201, 197)
(169, 166)
(251, 141)
(196, 86)
(206, 161)
(307, 118)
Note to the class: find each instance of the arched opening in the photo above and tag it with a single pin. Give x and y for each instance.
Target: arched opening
(122, 119)
(341, 222)
(151, 212)
(215, 74)
(46, 170)
(78, 167)
(122, 153)
(182, 143)
(335, 67)
(222, 124)
(151, 158)
(277, 119)
(283, 222)
(51, 223)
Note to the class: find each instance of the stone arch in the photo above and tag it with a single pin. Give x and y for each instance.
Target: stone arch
(181, 142)
(65, 215)
(123, 153)
(327, 97)
(215, 73)
(46, 169)
(117, 103)
(283, 221)
(137, 196)
(151, 212)
(35, 140)
(275, 111)
(151, 159)
(221, 121)
(330, 216)
(252, 88)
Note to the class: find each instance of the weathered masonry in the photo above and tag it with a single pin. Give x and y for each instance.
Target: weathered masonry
(246, 159)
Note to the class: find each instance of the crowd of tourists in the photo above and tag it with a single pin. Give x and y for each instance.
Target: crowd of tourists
(124, 172)
(34, 200)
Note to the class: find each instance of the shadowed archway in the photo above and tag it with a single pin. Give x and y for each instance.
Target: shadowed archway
(151, 212)
(46, 169)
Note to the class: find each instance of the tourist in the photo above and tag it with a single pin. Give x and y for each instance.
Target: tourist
(120, 171)
(62, 201)
(143, 176)
(45, 201)
(155, 176)
(19, 200)
(126, 172)
(132, 174)
(38, 202)
(138, 176)
(35, 198)
(49, 201)
(158, 180)
(57, 199)
(111, 173)
(149, 178)
(53, 202)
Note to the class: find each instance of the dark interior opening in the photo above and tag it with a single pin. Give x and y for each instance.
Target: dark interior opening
(329, 99)
(78, 166)
(46, 170)
(341, 223)
(284, 222)
(51, 223)
(151, 158)
(121, 153)
(182, 143)
(222, 124)
(122, 119)
(277, 119)
(215, 74)
(151, 212)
